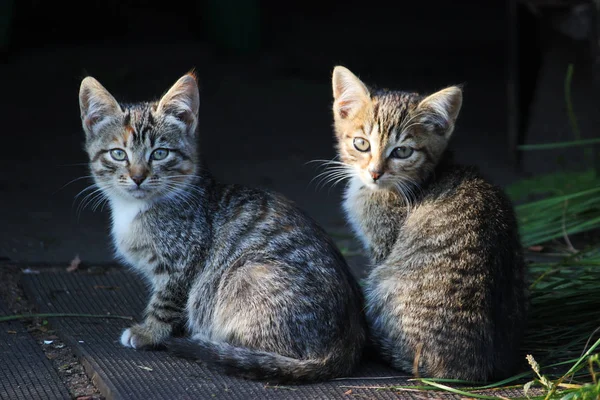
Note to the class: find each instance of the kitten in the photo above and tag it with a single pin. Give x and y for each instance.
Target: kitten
(259, 286)
(446, 296)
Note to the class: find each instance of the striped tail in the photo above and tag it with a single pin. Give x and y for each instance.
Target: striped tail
(261, 365)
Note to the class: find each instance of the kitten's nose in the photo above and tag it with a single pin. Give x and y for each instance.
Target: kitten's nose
(375, 174)
(138, 179)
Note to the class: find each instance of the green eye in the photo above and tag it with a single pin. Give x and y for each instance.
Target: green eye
(361, 144)
(159, 154)
(402, 152)
(118, 154)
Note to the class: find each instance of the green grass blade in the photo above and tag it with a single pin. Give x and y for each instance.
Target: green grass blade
(558, 145)
(457, 391)
(583, 358)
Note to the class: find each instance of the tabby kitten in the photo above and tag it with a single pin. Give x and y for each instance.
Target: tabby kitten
(260, 288)
(446, 295)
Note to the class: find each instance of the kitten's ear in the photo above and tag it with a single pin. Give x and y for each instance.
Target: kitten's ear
(445, 106)
(350, 95)
(181, 103)
(97, 105)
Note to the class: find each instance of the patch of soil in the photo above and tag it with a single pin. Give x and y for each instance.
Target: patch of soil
(63, 359)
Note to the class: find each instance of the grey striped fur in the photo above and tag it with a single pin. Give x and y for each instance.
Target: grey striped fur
(257, 286)
(446, 294)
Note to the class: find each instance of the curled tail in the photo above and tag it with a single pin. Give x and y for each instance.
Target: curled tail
(260, 365)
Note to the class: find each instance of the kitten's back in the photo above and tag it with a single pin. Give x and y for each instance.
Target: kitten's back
(457, 270)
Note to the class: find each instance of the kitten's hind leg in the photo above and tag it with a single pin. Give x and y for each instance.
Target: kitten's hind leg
(270, 321)
(251, 308)
(163, 315)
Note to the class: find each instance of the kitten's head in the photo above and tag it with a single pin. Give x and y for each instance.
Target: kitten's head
(389, 138)
(144, 151)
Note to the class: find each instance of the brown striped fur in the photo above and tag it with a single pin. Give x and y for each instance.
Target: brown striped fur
(446, 292)
(260, 289)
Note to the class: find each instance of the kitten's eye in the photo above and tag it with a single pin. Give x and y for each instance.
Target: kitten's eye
(361, 144)
(118, 154)
(159, 154)
(402, 152)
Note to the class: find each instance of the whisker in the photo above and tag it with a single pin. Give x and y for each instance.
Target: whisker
(410, 190)
(92, 186)
(334, 178)
(72, 181)
(323, 161)
(333, 164)
(99, 201)
(183, 191)
(89, 199)
(86, 197)
(192, 189)
(104, 204)
(181, 196)
(401, 190)
(329, 171)
(337, 181)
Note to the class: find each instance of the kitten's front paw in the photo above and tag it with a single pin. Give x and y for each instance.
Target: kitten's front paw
(137, 337)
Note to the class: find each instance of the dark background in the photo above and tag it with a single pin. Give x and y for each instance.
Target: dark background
(264, 71)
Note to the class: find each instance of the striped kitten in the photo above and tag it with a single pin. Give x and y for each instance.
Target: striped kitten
(259, 286)
(446, 295)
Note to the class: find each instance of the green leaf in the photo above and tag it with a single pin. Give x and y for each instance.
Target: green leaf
(558, 145)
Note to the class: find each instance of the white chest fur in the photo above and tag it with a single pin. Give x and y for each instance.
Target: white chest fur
(354, 206)
(125, 222)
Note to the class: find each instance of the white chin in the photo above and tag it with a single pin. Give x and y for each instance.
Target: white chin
(138, 194)
(373, 185)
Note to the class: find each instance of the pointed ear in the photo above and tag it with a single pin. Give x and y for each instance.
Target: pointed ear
(350, 95)
(97, 105)
(444, 107)
(180, 104)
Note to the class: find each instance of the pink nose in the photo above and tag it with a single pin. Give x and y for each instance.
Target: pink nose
(375, 175)
(138, 179)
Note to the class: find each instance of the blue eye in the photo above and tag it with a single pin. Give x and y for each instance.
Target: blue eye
(402, 152)
(159, 154)
(118, 154)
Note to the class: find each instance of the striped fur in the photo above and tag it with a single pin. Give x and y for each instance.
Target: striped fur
(446, 295)
(257, 285)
